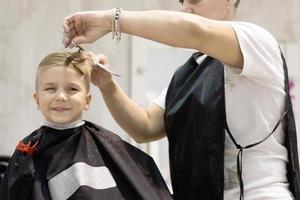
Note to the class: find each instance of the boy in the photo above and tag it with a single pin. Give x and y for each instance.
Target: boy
(68, 158)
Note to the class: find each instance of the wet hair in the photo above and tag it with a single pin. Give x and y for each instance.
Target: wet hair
(75, 60)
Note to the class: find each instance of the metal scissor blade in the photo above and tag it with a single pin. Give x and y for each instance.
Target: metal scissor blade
(108, 70)
(97, 64)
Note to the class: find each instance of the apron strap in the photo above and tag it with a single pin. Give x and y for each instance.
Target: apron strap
(241, 148)
(240, 152)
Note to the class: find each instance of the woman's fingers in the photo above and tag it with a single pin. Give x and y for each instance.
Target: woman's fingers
(71, 26)
(66, 27)
(102, 59)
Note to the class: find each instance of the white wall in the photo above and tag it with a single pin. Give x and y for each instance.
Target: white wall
(30, 29)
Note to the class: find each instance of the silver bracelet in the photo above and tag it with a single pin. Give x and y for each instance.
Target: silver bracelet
(116, 32)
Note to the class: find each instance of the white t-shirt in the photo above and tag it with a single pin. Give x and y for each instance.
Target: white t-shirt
(255, 100)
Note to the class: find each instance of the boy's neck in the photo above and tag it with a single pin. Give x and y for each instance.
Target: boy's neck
(69, 125)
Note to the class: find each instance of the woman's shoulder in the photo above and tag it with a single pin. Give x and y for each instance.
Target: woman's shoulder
(252, 30)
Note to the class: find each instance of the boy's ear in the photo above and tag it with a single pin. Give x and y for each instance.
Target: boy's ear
(37, 100)
(88, 101)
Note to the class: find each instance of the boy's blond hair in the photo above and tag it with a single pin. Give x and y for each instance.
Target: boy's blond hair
(78, 60)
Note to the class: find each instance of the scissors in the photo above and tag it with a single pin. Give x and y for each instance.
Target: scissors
(97, 64)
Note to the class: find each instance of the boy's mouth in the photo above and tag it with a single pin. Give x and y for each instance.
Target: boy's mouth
(60, 109)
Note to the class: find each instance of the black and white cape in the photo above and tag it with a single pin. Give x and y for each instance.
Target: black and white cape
(86, 162)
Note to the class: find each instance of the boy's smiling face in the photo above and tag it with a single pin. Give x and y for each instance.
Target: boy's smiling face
(62, 94)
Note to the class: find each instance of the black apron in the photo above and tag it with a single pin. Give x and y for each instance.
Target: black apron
(195, 122)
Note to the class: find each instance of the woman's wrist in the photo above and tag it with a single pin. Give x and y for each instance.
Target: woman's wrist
(110, 16)
(115, 24)
(106, 18)
(108, 87)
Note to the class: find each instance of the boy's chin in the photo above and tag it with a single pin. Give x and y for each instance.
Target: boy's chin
(62, 121)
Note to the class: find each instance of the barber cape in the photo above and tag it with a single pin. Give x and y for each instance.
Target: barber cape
(86, 162)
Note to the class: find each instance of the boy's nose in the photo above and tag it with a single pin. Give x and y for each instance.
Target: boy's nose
(61, 96)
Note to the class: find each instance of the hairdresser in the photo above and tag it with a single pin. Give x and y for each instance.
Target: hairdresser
(226, 113)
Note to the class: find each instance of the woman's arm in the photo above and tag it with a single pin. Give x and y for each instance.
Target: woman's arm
(143, 125)
(178, 29)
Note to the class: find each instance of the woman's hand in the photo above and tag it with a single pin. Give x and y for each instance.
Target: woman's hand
(100, 77)
(86, 27)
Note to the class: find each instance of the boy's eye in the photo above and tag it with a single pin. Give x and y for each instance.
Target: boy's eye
(73, 89)
(50, 89)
